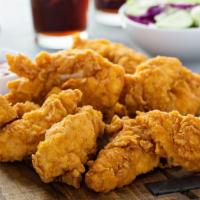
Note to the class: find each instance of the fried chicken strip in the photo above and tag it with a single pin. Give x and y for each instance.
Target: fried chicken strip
(101, 82)
(22, 90)
(22, 66)
(129, 154)
(68, 146)
(140, 142)
(114, 52)
(22, 108)
(21, 137)
(38, 77)
(162, 83)
(7, 112)
(176, 137)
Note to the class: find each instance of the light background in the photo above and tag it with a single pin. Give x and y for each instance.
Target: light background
(17, 30)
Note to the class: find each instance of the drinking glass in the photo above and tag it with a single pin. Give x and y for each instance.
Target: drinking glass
(56, 21)
(107, 11)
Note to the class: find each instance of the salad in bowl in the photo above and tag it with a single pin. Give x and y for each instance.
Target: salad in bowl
(164, 14)
(168, 28)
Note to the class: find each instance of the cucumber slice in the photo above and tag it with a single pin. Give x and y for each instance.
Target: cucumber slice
(195, 13)
(136, 10)
(165, 14)
(183, 1)
(179, 19)
(138, 7)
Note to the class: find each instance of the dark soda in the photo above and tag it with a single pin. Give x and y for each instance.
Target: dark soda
(59, 17)
(109, 5)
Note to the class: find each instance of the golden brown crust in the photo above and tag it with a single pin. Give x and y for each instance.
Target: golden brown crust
(21, 137)
(101, 81)
(162, 83)
(129, 154)
(67, 147)
(38, 77)
(176, 137)
(139, 145)
(22, 108)
(7, 112)
(22, 66)
(114, 52)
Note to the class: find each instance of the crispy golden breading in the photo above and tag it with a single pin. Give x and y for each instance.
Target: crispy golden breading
(22, 90)
(7, 112)
(101, 82)
(113, 79)
(118, 109)
(101, 79)
(54, 90)
(22, 66)
(129, 154)
(21, 137)
(67, 147)
(162, 83)
(22, 108)
(176, 137)
(114, 52)
(140, 143)
(38, 77)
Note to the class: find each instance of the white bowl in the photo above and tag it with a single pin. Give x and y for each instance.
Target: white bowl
(182, 43)
(3, 67)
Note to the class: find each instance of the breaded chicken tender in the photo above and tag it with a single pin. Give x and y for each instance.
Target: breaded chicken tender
(101, 81)
(22, 108)
(7, 112)
(114, 52)
(140, 143)
(36, 79)
(54, 90)
(68, 146)
(21, 137)
(176, 137)
(23, 66)
(162, 83)
(130, 153)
